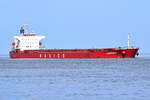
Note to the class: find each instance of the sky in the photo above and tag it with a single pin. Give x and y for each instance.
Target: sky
(78, 23)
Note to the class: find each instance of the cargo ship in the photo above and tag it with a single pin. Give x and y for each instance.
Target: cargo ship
(27, 45)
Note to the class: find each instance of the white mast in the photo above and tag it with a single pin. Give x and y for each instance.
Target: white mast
(129, 36)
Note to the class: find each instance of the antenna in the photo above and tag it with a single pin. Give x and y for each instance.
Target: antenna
(129, 37)
(25, 26)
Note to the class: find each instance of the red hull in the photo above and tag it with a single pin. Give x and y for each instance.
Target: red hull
(76, 53)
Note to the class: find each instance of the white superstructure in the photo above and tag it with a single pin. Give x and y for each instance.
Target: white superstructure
(27, 41)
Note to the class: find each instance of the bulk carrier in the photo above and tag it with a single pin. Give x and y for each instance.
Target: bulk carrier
(28, 45)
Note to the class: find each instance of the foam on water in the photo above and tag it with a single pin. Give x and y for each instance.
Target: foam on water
(85, 79)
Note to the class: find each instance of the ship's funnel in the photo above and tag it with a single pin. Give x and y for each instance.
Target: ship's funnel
(24, 29)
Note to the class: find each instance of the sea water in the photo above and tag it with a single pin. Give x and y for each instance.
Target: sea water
(75, 79)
